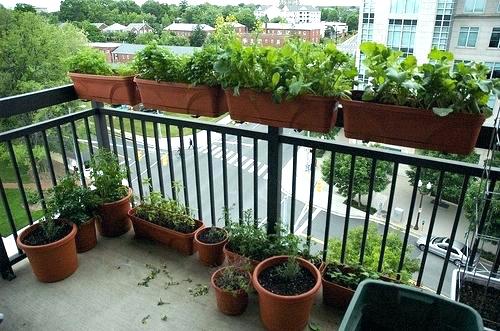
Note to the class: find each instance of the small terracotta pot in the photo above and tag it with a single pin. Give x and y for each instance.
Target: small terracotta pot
(114, 220)
(306, 112)
(411, 127)
(86, 237)
(335, 295)
(229, 303)
(51, 262)
(182, 242)
(237, 259)
(109, 89)
(279, 312)
(210, 254)
(182, 98)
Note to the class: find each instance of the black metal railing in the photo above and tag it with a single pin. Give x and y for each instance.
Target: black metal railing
(153, 150)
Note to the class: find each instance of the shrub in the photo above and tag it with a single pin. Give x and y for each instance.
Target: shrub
(107, 176)
(93, 62)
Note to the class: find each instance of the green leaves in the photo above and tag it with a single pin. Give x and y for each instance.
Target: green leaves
(89, 61)
(276, 78)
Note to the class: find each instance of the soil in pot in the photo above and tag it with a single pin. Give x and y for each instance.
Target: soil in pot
(488, 307)
(271, 280)
(37, 237)
(209, 243)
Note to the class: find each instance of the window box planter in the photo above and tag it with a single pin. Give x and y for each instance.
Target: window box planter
(235, 258)
(227, 302)
(308, 112)
(285, 312)
(334, 294)
(182, 242)
(108, 89)
(210, 254)
(114, 220)
(54, 261)
(86, 237)
(182, 98)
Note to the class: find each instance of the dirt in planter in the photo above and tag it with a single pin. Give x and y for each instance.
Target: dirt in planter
(273, 281)
(473, 295)
(38, 236)
(212, 236)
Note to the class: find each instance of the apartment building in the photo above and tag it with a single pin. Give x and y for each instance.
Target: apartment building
(186, 29)
(275, 34)
(292, 13)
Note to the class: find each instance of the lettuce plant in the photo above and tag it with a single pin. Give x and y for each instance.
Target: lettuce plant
(93, 62)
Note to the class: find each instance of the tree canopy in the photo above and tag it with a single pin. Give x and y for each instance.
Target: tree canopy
(350, 16)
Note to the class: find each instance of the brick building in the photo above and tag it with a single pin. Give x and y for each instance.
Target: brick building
(275, 34)
(106, 48)
(186, 29)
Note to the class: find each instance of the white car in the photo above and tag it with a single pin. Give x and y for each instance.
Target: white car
(439, 246)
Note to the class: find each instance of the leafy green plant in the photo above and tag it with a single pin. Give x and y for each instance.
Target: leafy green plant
(233, 280)
(348, 276)
(71, 201)
(200, 67)
(289, 270)
(158, 63)
(166, 212)
(253, 242)
(434, 85)
(92, 61)
(298, 68)
(214, 235)
(107, 175)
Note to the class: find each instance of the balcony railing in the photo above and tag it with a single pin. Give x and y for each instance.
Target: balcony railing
(148, 149)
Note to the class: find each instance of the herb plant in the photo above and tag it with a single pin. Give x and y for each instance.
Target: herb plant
(50, 230)
(348, 276)
(213, 235)
(289, 270)
(233, 280)
(168, 213)
(158, 63)
(107, 176)
(92, 61)
(298, 68)
(435, 85)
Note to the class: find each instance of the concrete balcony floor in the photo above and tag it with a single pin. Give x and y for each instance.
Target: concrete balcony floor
(103, 294)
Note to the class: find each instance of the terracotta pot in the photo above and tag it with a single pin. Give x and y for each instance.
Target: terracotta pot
(109, 89)
(411, 127)
(229, 303)
(51, 262)
(114, 220)
(209, 254)
(182, 242)
(306, 112)
(240, 260)
(86, 237)
(335, 295)
(182, 98)
(279, 312)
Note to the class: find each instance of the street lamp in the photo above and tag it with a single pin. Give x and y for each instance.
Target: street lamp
(422, 193)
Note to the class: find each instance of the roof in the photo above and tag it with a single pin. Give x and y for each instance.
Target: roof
(137, 26)
(236, 24)
(98, 25)
(187, 27)
(288, 26)
(302, 8)
(134, 48)
(115, 27)
(105, 45)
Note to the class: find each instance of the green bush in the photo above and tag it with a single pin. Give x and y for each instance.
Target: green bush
(107, 176)
(158, 63)
(93, 62)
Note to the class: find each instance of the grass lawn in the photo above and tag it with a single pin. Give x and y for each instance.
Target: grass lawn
(8, 174)
(18, 212)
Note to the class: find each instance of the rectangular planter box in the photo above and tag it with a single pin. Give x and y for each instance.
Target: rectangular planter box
(182, 242)
(108, 89)
(182, 98)
(411, 127)
(307, 112)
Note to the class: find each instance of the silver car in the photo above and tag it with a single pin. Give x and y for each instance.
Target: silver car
(439, 246)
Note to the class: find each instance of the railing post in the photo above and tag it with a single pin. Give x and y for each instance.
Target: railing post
(101, 128)
(5, 267)
(274, 160)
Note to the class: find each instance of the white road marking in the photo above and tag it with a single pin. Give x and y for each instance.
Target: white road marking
(304, 226)
(262, 169)
(248, 163)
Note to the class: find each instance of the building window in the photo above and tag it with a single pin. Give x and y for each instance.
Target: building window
(401, 35)
(468, 36)
(494, 69)
(404, 6)
(442, 24)
(474, 6)
(495, 38)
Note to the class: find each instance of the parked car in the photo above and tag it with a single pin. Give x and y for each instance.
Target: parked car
(439, 246)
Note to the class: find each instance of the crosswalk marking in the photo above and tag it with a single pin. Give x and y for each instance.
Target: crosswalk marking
(216, 150)
(249, 162)
(262, 169)
(251, 169)
(232, 159)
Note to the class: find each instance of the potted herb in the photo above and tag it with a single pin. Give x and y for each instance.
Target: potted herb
(181, 84)
(50, 248)
(78, 205)
(315, 259)
(107, 177)
(209, 242)
(166, 221)
(340, 282)
(295, 86)
(95, 79)
(231, 285)
(427, 106)
(286, 286)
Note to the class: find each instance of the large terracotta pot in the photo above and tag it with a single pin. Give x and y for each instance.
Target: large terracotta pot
(308, 112)
(411, 127)
(182, 242)
(239, 260)
(279, 312)
(230, 303)
(51, 262)
(109, 89)
(114, 220)
(86, 237)
(209, 254)
(182, 98)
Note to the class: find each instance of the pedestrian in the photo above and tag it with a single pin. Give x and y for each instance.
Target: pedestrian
(190, 143)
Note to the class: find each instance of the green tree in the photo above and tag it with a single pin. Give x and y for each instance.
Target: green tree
(197, 38)
(154, 8)
(91, 31)
(278, 20)
(362, 172)
(452, 183)
(171, 39)
(473, 205)
(145, 38)
(246, 17)
(183, 5)
(24, 7)
(373, 247)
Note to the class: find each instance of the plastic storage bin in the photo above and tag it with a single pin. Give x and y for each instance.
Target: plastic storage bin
(379, 305)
